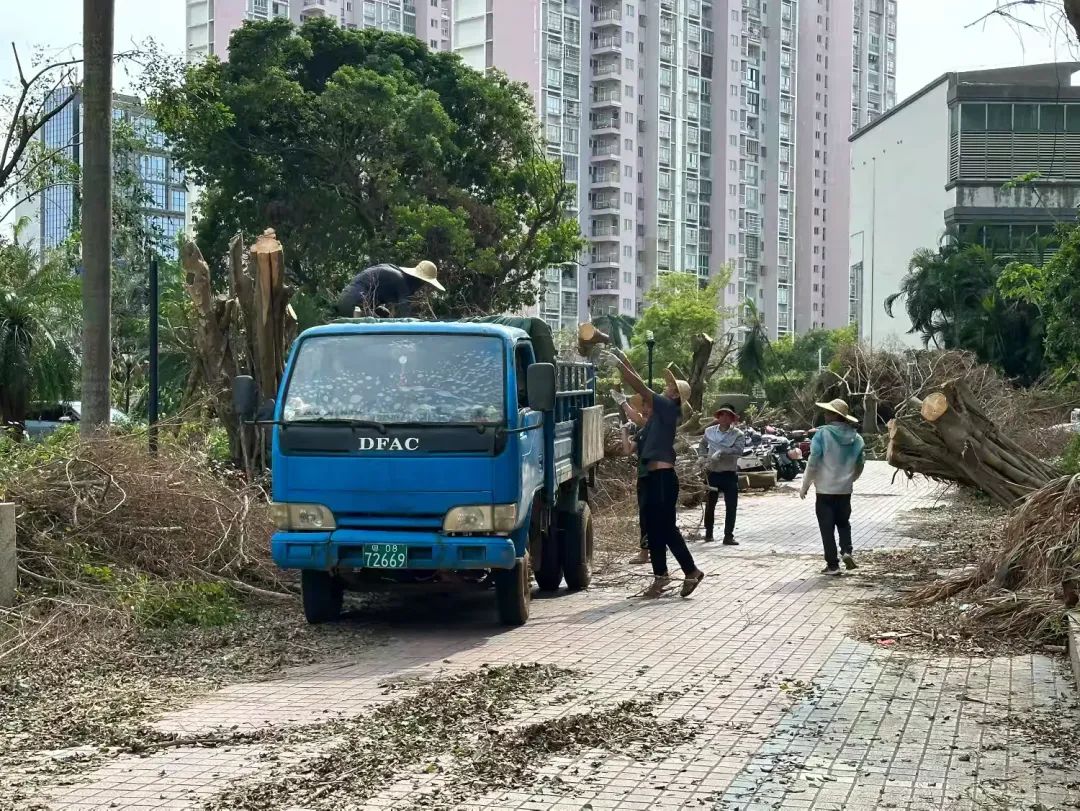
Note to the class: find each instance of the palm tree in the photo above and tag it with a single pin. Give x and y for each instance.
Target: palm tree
(751, 361)
(952, 299)
(39, 306)
(96, 219)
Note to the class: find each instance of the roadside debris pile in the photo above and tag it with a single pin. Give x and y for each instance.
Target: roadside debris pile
(110, 503)
(1025, 589)
(465, 729)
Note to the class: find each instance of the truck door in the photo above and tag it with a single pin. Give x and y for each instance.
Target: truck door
(532, 442)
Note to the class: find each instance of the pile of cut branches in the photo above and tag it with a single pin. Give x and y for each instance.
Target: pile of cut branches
(1026, 588)
(165, 515)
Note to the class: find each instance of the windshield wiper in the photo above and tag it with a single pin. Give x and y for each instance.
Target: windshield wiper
(480, 427)
(376, 426)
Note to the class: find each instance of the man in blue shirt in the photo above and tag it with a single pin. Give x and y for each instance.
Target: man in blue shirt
(661, 499)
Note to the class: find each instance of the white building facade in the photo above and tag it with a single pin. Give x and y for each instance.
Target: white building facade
(941, 162)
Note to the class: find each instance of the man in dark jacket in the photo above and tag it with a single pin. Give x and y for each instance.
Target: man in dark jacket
(386, 289)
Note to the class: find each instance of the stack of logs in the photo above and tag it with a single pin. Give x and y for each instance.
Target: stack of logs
(947, 437)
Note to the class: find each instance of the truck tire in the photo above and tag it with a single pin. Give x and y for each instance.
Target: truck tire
(513, 592)
(577, 547)
(548, 569)
(322, 595)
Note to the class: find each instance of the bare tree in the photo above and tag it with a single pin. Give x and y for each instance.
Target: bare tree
(98, 18)
(1059, 14)
(42, 91)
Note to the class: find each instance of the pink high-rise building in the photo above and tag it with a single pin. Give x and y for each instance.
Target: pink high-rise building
(211, 22)
(701, 134)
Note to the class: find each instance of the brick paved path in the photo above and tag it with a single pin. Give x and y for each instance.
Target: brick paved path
(873, 728)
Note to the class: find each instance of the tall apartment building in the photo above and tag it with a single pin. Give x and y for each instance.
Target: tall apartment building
(701, 133)
(164, 183)
(211, 22)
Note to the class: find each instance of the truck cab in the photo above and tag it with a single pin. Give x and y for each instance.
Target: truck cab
(421, 455)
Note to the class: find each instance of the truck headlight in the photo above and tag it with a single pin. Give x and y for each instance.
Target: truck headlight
(302, 517)
(481, 518)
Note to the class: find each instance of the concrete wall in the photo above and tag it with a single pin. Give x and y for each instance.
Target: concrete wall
(898, 200)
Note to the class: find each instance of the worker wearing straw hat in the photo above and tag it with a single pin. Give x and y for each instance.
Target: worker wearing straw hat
(836, 461)
(382, 289)
(661, 500)
(720, 449)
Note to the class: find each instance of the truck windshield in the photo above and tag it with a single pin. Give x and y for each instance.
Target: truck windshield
(398, 379)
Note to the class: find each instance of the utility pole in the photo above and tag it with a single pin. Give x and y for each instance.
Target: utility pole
(96, 219)
(155, 300)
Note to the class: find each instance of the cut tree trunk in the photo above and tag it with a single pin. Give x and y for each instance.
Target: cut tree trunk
(246, 332)
(947, 437)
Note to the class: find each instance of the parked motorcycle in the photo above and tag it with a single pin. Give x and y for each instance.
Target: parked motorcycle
(787, 458)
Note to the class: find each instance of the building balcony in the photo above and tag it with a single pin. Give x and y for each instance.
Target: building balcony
(611, 70)
(605, 261)
(602, 180)
(608, 17)
(607, 45)
(606, 99)
(602, 231)
(609, 205)
(606, 125)
(604, 153)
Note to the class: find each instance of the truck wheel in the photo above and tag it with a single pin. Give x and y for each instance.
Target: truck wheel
(513, 592)
(577, 548)
(548, 569)
(322, 595)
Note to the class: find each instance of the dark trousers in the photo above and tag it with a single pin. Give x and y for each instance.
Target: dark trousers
(834, 518)
(641, 512)
(726, 482)
(661, 507)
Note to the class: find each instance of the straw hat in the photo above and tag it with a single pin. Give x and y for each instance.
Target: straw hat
(683, 388)
(838, 407)
(425, 272)
(724, 407)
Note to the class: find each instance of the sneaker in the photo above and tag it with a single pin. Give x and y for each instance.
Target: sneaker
(849, 561)
(658, 587)
(690, 583)
(831, 570)
(641, 557)
(729, 540)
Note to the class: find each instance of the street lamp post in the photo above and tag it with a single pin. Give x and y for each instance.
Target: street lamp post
(650, 342)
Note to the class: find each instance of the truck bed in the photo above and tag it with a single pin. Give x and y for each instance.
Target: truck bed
(578, 432)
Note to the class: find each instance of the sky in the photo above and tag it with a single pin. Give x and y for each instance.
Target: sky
(934, 36)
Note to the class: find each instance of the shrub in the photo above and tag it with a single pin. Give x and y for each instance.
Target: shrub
(162, 604)
(1070, 460)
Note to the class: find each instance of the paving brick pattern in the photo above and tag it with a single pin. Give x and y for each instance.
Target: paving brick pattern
(792, 713)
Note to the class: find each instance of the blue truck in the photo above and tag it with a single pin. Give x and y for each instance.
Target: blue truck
(430, 455)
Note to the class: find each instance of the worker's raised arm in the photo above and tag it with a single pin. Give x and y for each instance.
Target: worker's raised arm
(630, 376)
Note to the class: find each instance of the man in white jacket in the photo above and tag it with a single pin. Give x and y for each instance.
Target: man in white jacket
(836, 461)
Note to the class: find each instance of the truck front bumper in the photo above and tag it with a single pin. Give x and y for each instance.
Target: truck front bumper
(344, 548)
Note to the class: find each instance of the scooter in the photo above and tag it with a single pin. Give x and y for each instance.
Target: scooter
(786, 458)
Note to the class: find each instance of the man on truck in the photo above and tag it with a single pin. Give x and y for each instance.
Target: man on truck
(385, 290)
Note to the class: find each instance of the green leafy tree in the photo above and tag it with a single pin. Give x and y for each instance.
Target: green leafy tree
(953, 299)
(39, 317)
(1059, 300)
(799, 353)
(678, 308)
(363, 146)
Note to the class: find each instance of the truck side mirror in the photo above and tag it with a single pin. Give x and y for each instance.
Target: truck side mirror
(245, 397)
(540, 383)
